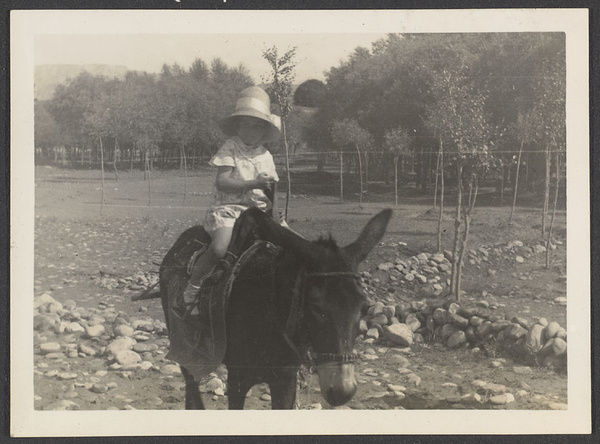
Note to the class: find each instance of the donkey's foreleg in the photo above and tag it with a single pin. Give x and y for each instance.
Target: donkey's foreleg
(193, 401)
(238, 384)
(283, 389)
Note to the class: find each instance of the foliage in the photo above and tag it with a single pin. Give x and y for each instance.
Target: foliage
(310, 94)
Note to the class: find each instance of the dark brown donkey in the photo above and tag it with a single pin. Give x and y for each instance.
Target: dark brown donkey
(302, 300)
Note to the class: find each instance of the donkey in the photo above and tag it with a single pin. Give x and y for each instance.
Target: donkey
(302, 299)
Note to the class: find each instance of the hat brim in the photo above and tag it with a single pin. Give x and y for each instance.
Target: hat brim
(229, 124)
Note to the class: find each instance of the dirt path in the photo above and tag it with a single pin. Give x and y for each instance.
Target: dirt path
(91, 263)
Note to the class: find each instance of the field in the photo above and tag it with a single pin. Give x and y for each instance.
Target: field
(92, 260)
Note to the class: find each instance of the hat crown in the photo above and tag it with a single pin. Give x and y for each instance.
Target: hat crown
(253, 98)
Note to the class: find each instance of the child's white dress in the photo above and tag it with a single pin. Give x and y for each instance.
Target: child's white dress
(247, 164)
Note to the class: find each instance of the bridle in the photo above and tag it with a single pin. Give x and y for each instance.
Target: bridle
(297, 311)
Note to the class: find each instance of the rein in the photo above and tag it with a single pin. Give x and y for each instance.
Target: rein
(296, 313)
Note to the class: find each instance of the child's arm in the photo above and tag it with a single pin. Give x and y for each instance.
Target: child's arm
(227, 183)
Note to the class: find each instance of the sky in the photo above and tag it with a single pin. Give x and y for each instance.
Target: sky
(316, 53)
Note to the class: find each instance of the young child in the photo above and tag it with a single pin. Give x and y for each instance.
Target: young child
(245, 168)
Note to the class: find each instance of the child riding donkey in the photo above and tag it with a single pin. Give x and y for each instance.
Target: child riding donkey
(245, 174)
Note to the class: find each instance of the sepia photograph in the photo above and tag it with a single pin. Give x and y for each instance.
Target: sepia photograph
(363, 218)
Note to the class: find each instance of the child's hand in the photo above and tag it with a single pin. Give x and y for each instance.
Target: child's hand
(264, 180)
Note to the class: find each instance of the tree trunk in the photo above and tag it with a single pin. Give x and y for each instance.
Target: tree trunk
(441, 216)
(115, 159)
(102, 172)
(457, 223)
(366, 172)
(396, 179)
(502, 184)
(288, 191)
(184, 160)
(437, 173)
(341, 175)
(553, 211)
(131, 154)
(546, 190)
(149, 167)
(514, 203)
(360, 175)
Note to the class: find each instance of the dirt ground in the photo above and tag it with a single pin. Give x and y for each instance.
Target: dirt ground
(95, 257)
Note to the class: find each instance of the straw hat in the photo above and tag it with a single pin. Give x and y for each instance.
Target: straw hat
(253, 102)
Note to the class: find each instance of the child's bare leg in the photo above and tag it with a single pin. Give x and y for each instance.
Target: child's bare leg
(203, 267)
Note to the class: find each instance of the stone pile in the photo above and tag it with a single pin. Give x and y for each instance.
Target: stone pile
(430, 273)
(539, 342)
(139, 281)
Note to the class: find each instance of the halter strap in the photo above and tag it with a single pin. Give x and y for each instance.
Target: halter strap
(295, 314)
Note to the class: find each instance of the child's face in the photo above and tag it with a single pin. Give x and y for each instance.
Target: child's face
(251, 130)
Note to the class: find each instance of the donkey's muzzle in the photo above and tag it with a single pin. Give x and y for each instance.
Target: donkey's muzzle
(337, 382)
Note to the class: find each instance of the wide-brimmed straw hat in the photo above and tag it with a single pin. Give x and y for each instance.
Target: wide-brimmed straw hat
(253, 102)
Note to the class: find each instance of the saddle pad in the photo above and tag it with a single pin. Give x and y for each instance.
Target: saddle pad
(199, 343)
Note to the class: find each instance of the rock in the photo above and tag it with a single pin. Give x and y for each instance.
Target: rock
(124, 330)
(396, 388)
(74, 327)
(43, 300)
(362, 326)
(98, 388)
(458, 321)
(389, 311)
(418, 338)
(265, 397)
(542, 321)
(214, 384)
(440, 316)
(522, 370)
(94, 331)
(372, 333)
(49, 347)
(170, 369)
(376, 309)
(533, 340)
(499, 325)
(409, 277)
(561, 300)
(504, 399)
(399, 360)
(557, 406)
(66, 376)
(484, 329)
(515, 331)
(447, 331)
(380, 319)
(127, 358)
(519, 259)
(85, 349)
(414, 379)
(457, 339)
(551, 330)
(218, 392)
(495, 389)
(44, 322)
(399, 334)
(63, 404)
(386, 266)
(413, 322)
(422, 279)
(559, 346)
(476, 321)
(143, 325)
(124, 343)
(521, 321)
(142, 348)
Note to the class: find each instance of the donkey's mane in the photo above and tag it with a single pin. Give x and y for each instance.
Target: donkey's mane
(327, 242)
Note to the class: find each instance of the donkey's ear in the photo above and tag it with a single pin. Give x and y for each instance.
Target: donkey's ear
(273, 232)
(371, 234)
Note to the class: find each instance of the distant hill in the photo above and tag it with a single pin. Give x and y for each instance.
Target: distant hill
(48, 77)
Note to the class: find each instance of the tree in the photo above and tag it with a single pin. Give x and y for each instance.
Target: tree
(279, 86)
(310, 94)
(398, 142)
(347, 133)
(460, 118)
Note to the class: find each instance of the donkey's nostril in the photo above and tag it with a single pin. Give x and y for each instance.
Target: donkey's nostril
(337, 396)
